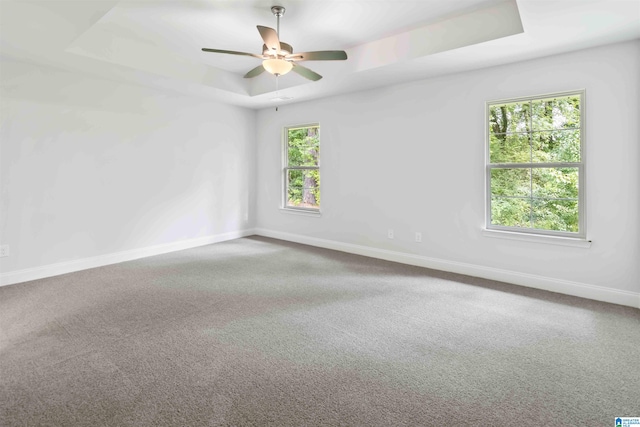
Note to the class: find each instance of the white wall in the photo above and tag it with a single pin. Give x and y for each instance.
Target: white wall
(411, 158)
(90, 167)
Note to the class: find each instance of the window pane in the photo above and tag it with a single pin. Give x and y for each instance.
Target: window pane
(513, 148)
(560, 183)
(556, 113)
(556, 146)
(509, 118)
(511, 182)
(511, 212)
(303, 188)
(303, 146)
(557, 215)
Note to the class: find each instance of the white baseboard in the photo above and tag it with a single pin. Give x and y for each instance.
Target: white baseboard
(19, 276)
(598, 293)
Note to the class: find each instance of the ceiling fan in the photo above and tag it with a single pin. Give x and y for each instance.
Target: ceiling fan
(278, 57)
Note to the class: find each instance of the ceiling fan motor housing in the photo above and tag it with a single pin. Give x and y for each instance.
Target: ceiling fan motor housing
(285, 49)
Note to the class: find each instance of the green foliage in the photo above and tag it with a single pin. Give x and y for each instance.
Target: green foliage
(528, 138)
(303, 151)
(303, 145)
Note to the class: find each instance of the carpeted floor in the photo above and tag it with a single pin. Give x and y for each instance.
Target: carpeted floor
(256, 332)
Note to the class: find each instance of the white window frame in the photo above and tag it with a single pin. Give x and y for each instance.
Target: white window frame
(511, 232)
(285, 168)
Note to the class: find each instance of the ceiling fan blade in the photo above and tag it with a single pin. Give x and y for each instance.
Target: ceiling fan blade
(305, 72)
(270, 38)
(256, 71)
(231, 52)
(321, 55)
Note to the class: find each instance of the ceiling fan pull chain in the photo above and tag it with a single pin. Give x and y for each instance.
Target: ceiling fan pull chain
(277, 88)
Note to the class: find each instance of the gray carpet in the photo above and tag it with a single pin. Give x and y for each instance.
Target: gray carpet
(256, 332)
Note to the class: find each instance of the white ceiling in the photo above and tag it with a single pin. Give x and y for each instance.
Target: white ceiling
(158, 42)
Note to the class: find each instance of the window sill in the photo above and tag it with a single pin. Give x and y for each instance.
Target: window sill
(537, 238)
(302, 212)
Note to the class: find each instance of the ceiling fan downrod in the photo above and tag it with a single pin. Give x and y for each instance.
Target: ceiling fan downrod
(278, 11)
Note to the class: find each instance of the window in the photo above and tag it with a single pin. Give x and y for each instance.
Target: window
(535, 165)
(302, 168)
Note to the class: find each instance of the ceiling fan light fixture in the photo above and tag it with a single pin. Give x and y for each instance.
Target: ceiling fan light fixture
(277, 67)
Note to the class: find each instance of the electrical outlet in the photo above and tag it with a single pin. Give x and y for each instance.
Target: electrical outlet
(418, 237)
(390, 233)
(4, 251)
